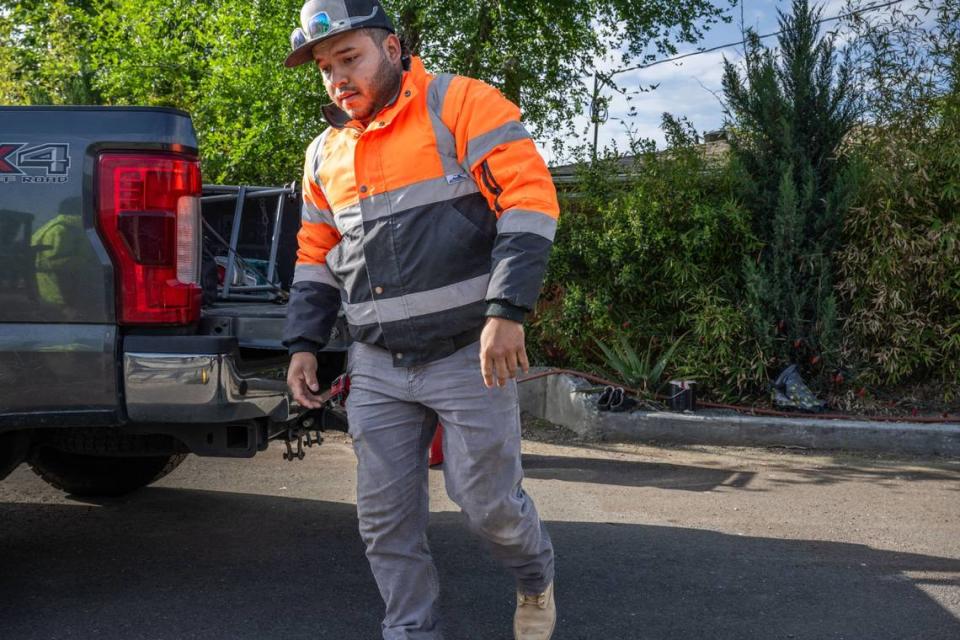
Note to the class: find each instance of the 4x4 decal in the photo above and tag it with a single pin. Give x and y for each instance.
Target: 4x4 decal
(38, 164)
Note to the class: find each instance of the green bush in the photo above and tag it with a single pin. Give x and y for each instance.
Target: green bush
(900, 261)
(651, 251)
(900, 264)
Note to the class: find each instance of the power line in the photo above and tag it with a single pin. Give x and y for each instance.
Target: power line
(595, 107)
(718, 47)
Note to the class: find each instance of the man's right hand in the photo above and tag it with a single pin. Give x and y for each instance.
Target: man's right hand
(302, 380)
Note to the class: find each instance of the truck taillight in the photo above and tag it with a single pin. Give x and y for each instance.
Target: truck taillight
(149, 217)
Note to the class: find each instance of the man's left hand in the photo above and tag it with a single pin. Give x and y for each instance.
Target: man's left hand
(502, 351)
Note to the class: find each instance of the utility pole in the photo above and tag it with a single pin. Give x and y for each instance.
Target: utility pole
(595, 113)
(598, 110)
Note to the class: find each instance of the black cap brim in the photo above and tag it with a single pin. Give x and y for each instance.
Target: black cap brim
(304, 53)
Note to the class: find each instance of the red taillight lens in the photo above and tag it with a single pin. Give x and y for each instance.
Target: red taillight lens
(149, 217)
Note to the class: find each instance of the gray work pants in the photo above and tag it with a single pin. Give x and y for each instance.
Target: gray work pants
(392, 412)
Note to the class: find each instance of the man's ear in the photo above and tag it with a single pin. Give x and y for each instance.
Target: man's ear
(393, 48)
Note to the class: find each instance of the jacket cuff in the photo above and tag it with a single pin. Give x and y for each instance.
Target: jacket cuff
(301, 345)
(503, 309)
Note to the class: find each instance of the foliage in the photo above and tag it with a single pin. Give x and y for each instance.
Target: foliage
(900, 264)
(43, 54)
(790, 111)
(222, 61)
(644, 373)
(537, 52)
(651, 249)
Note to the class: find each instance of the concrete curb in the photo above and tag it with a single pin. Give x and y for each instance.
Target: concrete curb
(560, 399)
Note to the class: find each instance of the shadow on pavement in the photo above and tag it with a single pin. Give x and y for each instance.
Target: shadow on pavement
(875, 474)
(183, 564)
(627, 473)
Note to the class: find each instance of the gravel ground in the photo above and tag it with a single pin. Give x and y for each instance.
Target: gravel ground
(652, 542)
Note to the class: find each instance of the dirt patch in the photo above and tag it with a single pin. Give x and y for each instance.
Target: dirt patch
(537, 429)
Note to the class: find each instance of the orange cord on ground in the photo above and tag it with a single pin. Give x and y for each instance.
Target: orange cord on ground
(753, 410)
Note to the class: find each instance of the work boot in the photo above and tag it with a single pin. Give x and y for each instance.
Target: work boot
(536, 616)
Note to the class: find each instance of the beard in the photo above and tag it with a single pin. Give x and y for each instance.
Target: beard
(385, 86)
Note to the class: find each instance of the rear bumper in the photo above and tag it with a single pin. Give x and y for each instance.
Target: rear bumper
(201, 379)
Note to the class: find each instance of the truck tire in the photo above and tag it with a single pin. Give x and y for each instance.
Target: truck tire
(89, 475)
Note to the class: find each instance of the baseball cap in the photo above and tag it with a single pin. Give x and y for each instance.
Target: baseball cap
(322, 19)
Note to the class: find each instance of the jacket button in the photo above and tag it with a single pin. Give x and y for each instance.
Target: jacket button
(378, 290)
(398, 356)
(363, 188)
(407, 93)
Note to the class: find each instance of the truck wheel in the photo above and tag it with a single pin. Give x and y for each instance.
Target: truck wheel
(87, 475)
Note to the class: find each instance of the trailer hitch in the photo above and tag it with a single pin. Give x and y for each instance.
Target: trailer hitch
(289, 455)
(308, 429)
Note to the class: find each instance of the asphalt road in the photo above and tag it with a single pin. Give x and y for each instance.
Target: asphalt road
(652, 543)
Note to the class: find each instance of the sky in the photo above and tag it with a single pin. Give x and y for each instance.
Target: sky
(685, 86)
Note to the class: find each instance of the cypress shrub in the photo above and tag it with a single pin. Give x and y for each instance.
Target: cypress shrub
(789, 111)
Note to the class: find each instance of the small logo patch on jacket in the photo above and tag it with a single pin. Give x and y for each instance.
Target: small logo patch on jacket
(454, 178)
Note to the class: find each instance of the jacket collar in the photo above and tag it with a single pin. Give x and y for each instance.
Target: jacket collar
(414, 81)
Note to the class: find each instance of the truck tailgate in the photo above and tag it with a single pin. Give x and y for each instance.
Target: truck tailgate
(259, 325)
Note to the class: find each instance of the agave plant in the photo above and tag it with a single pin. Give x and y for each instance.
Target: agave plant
(642, 373)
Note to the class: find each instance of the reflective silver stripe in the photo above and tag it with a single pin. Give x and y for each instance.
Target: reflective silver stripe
(316, 215)
(445, 298)
(360, 313)
(355, 20)
(316, 149)
(348, 218)
(318, 160)
(314, 273)
(418, 194)
(446, 143)
(479, 147)
(520, 221)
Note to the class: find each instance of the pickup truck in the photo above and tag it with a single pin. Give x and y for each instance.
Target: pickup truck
(135, 326)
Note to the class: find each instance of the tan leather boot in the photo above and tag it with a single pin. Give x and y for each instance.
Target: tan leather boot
(536, 616)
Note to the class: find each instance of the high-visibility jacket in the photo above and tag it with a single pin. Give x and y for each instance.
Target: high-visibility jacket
(437, 214)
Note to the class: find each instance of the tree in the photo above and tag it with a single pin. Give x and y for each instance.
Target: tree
(790, 111)
(43, 53)
(221, 60)
(537, 52)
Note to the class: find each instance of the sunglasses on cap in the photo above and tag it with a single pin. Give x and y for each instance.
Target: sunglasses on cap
(319, 24)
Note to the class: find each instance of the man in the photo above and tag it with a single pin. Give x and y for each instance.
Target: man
(429, 215)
